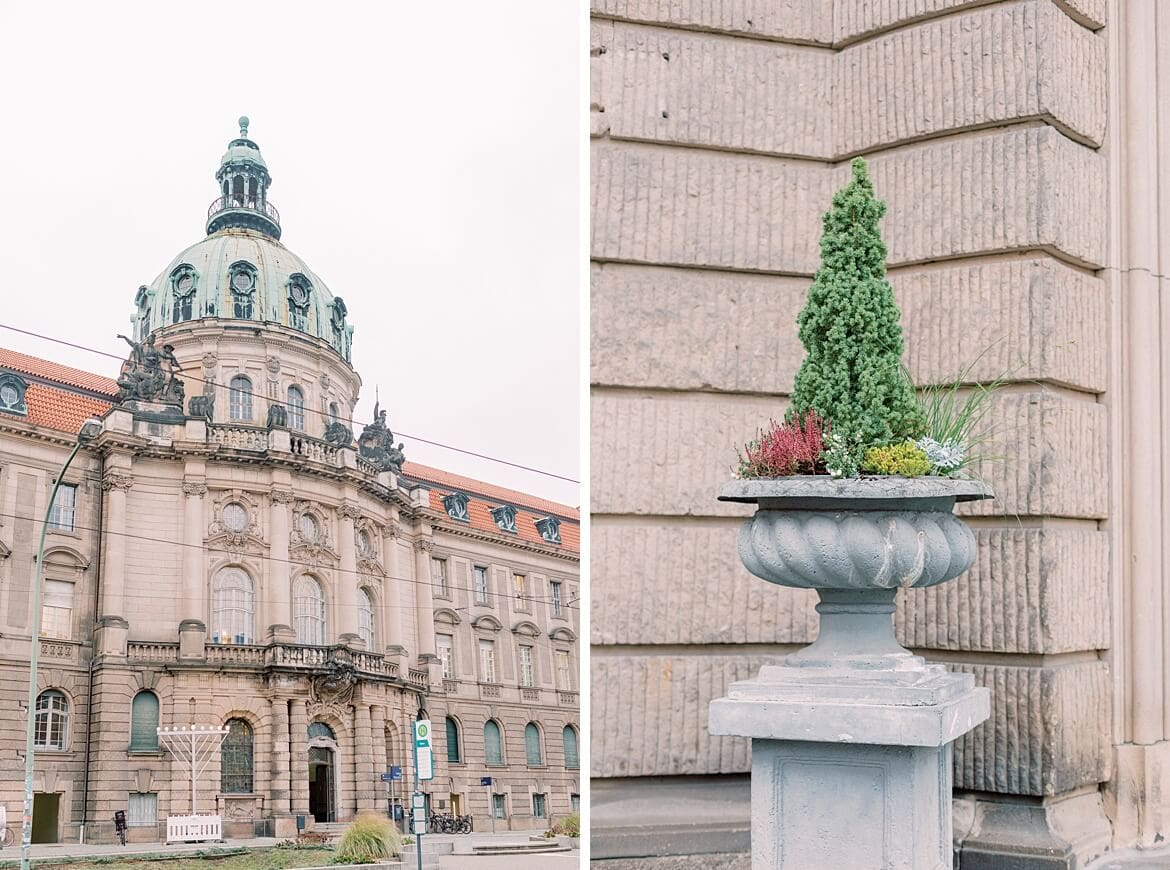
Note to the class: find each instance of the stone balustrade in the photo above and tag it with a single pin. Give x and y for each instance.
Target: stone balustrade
(310, 658)
(238, 437)
(139, 651)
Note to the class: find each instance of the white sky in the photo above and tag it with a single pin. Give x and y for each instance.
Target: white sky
(425, 164)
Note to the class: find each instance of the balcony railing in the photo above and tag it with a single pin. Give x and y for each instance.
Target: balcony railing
(238, 436)
(232, 203)
(566, 699)
(278, 655)
(418, 678)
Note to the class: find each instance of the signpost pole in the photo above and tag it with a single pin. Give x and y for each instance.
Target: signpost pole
(424, 770)
(486, 782)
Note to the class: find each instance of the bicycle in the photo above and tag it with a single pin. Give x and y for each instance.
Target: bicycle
(7, 837)
(463, 825)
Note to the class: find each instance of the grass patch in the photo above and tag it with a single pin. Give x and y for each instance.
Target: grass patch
(221, 859)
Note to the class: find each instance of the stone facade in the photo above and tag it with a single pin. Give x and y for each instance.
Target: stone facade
(1016, 148)
(248, 568)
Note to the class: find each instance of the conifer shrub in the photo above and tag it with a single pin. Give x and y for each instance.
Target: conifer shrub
(369, 838)
(852, 375)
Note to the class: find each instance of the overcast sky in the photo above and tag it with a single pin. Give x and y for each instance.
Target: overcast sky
(425, 164)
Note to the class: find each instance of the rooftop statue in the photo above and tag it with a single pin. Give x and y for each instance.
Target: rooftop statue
(377, 444)
(143, 377)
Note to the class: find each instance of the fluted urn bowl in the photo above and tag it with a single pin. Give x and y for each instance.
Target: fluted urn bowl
(855, 541)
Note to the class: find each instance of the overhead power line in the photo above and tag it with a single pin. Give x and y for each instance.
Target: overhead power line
(306, 410)
(565, 604)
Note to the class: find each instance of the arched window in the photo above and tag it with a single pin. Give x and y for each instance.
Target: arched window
(365, 606)
(235, 758)
(296, 408)
(51, 724)
(309, 612)
(452, 740)
(532, 745)
(240, 399)
(569, 735)
(144, 722)
(233, 607)
(493, 745)
(320, 729)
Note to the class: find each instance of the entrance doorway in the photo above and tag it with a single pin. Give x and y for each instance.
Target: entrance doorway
(321, 784)
(44, 822)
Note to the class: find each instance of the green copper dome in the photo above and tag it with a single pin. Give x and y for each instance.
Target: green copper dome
(241, 271)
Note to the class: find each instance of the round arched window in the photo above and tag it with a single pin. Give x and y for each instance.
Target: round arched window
(235, 518)
(310, 528)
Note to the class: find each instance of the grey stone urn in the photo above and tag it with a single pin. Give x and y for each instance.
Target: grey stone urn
(851, 736)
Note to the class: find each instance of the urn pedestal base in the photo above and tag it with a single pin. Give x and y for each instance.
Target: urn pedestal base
(851, 769)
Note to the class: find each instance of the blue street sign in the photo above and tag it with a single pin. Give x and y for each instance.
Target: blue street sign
(485, 780)
(395, 772)
(387, 777)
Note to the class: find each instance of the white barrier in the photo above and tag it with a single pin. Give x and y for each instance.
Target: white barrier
(194, 829)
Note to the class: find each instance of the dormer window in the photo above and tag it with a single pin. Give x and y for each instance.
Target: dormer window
(243, 285)
(550, 529)
(12, 391)
(184, 280)
(300, 291)
(505, 517)
(456, 506)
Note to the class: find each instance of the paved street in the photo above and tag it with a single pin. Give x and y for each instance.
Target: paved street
(553, 861)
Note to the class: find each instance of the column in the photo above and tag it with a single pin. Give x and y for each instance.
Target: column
(363, 759)
(425, 614)
(280, 618)
(393, 590)
(347, 581)
(299, 760)
(117, 484)
(194, 581)
(280, 757)
(113, 628)
(378, 733)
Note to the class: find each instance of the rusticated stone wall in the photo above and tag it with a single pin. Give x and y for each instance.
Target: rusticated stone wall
(720, 131)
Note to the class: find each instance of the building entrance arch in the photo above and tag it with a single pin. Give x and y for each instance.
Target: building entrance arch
(324, 779)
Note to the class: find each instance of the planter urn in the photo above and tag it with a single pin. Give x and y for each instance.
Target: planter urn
(852, 735)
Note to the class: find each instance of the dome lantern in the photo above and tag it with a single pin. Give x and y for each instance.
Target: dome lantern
(243, 184)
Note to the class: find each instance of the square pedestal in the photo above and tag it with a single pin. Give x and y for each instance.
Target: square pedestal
(851, 769)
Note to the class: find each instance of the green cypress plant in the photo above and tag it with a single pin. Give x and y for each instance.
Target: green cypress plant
(852, 374)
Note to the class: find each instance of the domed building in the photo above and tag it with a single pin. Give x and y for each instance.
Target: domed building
(229, 554)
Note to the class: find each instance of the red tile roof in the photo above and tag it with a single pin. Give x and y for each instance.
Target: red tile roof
(502, 495)
(41, 368)
(480, 518)
(59, 409)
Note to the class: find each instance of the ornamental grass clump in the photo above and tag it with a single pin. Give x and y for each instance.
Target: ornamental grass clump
(793, 447)
(369, 839)
(850, 327)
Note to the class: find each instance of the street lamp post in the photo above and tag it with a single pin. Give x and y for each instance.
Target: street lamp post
(90, 429)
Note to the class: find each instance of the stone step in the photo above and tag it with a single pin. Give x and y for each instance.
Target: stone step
(529, 848)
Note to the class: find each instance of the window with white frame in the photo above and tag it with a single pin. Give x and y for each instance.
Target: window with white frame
(445, 644)
(142, 810)
(64, 509)
(439, 581)
(51, 721)
(555, 597)
(564, 671)
(365, 606)
(240, 399)
(309, 612)
(480, 577)
(527, 675)
(233, 606)
(296, 408)
(487, 661)
(57, 609)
